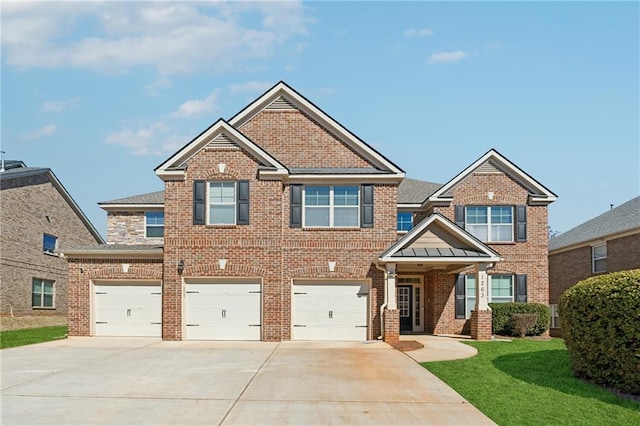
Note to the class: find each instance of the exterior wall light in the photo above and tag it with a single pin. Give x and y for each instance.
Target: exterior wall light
(180, 267)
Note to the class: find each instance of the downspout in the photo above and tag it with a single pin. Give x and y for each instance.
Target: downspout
(384, 305)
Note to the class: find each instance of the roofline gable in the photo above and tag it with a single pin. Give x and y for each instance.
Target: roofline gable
(308, 107)
(540, 195)
(168, 169)
(447, 224)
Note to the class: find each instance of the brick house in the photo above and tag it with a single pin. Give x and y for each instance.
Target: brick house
(281, 224)
(607, 243)
(37, 218)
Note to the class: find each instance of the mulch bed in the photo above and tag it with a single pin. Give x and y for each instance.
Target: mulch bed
(407, 345)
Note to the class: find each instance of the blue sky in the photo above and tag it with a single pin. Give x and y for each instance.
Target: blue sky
(103, 92)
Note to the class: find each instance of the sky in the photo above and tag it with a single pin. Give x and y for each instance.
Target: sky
(103, 92)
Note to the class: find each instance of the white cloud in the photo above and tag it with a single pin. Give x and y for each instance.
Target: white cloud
(196, 107)
(251, 86)
(173, 38)
(157, 138)
(447, 57)
(418, 33)
(46, 130)
(58, 106)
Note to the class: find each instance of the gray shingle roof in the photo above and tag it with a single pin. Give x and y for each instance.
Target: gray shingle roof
(413, 191)
(410, 191)
(150, 198)
(623, 218)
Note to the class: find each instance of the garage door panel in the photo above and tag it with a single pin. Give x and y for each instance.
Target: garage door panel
(128, 310)
(330, 311)
(223, 311)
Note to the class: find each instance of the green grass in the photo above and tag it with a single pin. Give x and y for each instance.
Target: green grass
(529, 382)
(29, 336)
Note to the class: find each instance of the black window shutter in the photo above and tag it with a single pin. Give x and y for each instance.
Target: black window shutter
(295, 219)
(243, 202)
(460, 297)
(199, 194)
(521, 223)
(521, 288)
(366, 207)
(459, 216)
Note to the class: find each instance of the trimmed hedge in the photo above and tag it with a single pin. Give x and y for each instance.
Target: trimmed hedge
(503, 313)
(600, 319)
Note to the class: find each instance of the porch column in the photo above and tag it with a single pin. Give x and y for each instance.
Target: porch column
(481, 318)
(391, 314)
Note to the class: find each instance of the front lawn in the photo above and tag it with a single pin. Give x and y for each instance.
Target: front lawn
(529, 382)
(12, 338)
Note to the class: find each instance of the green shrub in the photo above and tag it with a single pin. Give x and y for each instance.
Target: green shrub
(600, 319)
(503, 317)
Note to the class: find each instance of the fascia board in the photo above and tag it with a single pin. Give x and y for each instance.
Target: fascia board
(131, 207)
(429, 260)
(113, 254)
(394, 178)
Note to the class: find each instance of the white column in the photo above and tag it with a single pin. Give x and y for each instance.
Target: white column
(392, 299)
(482, 288)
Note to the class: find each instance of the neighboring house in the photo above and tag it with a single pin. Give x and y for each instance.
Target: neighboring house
(281, 224)
(607, 243)
(38, 218)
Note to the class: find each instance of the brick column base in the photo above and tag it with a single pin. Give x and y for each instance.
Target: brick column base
(481, 325)
(391, 325)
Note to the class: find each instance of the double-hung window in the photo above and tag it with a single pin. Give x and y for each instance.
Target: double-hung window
(222, 203)
(49, 243)
(405, 221)
(331, 206)
(490, 223)
(154, 224)
(42, 293)
(599, 258)
(502, 290)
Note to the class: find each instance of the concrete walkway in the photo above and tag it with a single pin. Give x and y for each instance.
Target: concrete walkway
(111, 381)
(439, 348)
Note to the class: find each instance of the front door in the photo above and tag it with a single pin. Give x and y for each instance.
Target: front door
(403, 293)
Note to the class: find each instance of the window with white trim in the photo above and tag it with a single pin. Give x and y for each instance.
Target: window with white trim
(490, 223)
(555, 316)
(154, 224)
(599, 258)
(42, 292)
(222, 203)
(501, 290)
(405, 221)
(49, 243)
(331, 206)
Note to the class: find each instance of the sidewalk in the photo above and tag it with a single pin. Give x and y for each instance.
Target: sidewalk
(439, 348)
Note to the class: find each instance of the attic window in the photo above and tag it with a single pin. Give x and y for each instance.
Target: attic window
(49, 243)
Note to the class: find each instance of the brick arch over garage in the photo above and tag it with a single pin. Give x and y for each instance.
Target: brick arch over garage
(134, 272)
(323, 271)
(231, 269)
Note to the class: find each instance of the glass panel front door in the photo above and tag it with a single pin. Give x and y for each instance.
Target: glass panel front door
(404, 307)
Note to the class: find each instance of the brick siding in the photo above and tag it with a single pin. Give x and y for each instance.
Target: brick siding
(31, 207)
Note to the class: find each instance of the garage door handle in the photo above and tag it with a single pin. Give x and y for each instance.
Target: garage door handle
(257, 291)
(295, 292)
(255, 325)
(101, 322)
(330, 314)
(193, 325)
(156, 323)
(224, 313)
(128, 312)
(156, 293)
(297, 325)
(101, 292)
(192, 292)
(361, 326)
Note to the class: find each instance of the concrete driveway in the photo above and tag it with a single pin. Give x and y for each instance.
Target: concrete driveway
(84, 381)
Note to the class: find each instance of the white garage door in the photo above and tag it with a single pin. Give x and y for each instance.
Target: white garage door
(330, 311)
(222, 311)
(128, 309)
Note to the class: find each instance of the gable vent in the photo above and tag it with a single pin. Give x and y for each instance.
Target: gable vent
(222, 141)
(281, 103)
(488, 167)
